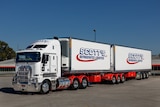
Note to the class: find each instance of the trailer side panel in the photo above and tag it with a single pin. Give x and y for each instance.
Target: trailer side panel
(127, 58)
(87, 55)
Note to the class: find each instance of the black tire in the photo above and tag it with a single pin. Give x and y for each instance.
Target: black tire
(118, 80)
(113, 80)
(84, 83)
(123, 79)
(45, 87)
(75, 84)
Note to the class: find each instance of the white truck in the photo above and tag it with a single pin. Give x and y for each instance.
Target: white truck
(61, 63)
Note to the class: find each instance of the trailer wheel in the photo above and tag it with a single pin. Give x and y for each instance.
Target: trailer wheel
(123, 79)
(147, 75)
(45, 87)
(141, 76)
(113, 80)
(84, 83)
(118, 80)
(75, 84)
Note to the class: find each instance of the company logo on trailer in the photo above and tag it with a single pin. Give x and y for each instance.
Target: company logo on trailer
(134, 58)
(89, 55)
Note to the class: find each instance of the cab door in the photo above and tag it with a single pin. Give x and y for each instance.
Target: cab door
(53, 63)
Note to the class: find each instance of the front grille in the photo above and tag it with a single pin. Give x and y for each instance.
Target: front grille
(23, 74)
(22, 77)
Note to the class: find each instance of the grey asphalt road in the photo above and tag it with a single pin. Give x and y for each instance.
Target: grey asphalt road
(132, 93)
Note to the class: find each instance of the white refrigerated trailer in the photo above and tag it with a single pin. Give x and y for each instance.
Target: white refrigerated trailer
(61, 63)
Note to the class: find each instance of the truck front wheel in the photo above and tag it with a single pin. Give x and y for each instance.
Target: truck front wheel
(45, 87)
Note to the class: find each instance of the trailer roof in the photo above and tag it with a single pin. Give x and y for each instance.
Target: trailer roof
(106, 43)
(86, 40)
(131, 47)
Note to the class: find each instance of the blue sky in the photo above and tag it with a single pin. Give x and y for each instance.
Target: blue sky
(134, 23)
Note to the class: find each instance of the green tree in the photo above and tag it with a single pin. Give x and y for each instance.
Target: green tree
(6, 52)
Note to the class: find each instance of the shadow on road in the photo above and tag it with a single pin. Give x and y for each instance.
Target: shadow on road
(10, 90)
(7, 90)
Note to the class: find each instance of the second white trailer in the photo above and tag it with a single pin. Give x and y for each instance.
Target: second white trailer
(128, 59)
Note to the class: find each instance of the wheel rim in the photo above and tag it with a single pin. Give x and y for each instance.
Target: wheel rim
(84, 83)
(118, 79)
(147, 75)
(144, 75)
(141, 76)
(45, 87)
(75, 84)
(113, 80)
(123, 79)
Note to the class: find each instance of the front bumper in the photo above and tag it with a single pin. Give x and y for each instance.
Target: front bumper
(27, 87)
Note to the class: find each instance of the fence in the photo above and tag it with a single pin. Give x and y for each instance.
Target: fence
(7, 69)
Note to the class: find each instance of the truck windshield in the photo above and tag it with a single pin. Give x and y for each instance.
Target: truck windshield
(28, 57)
